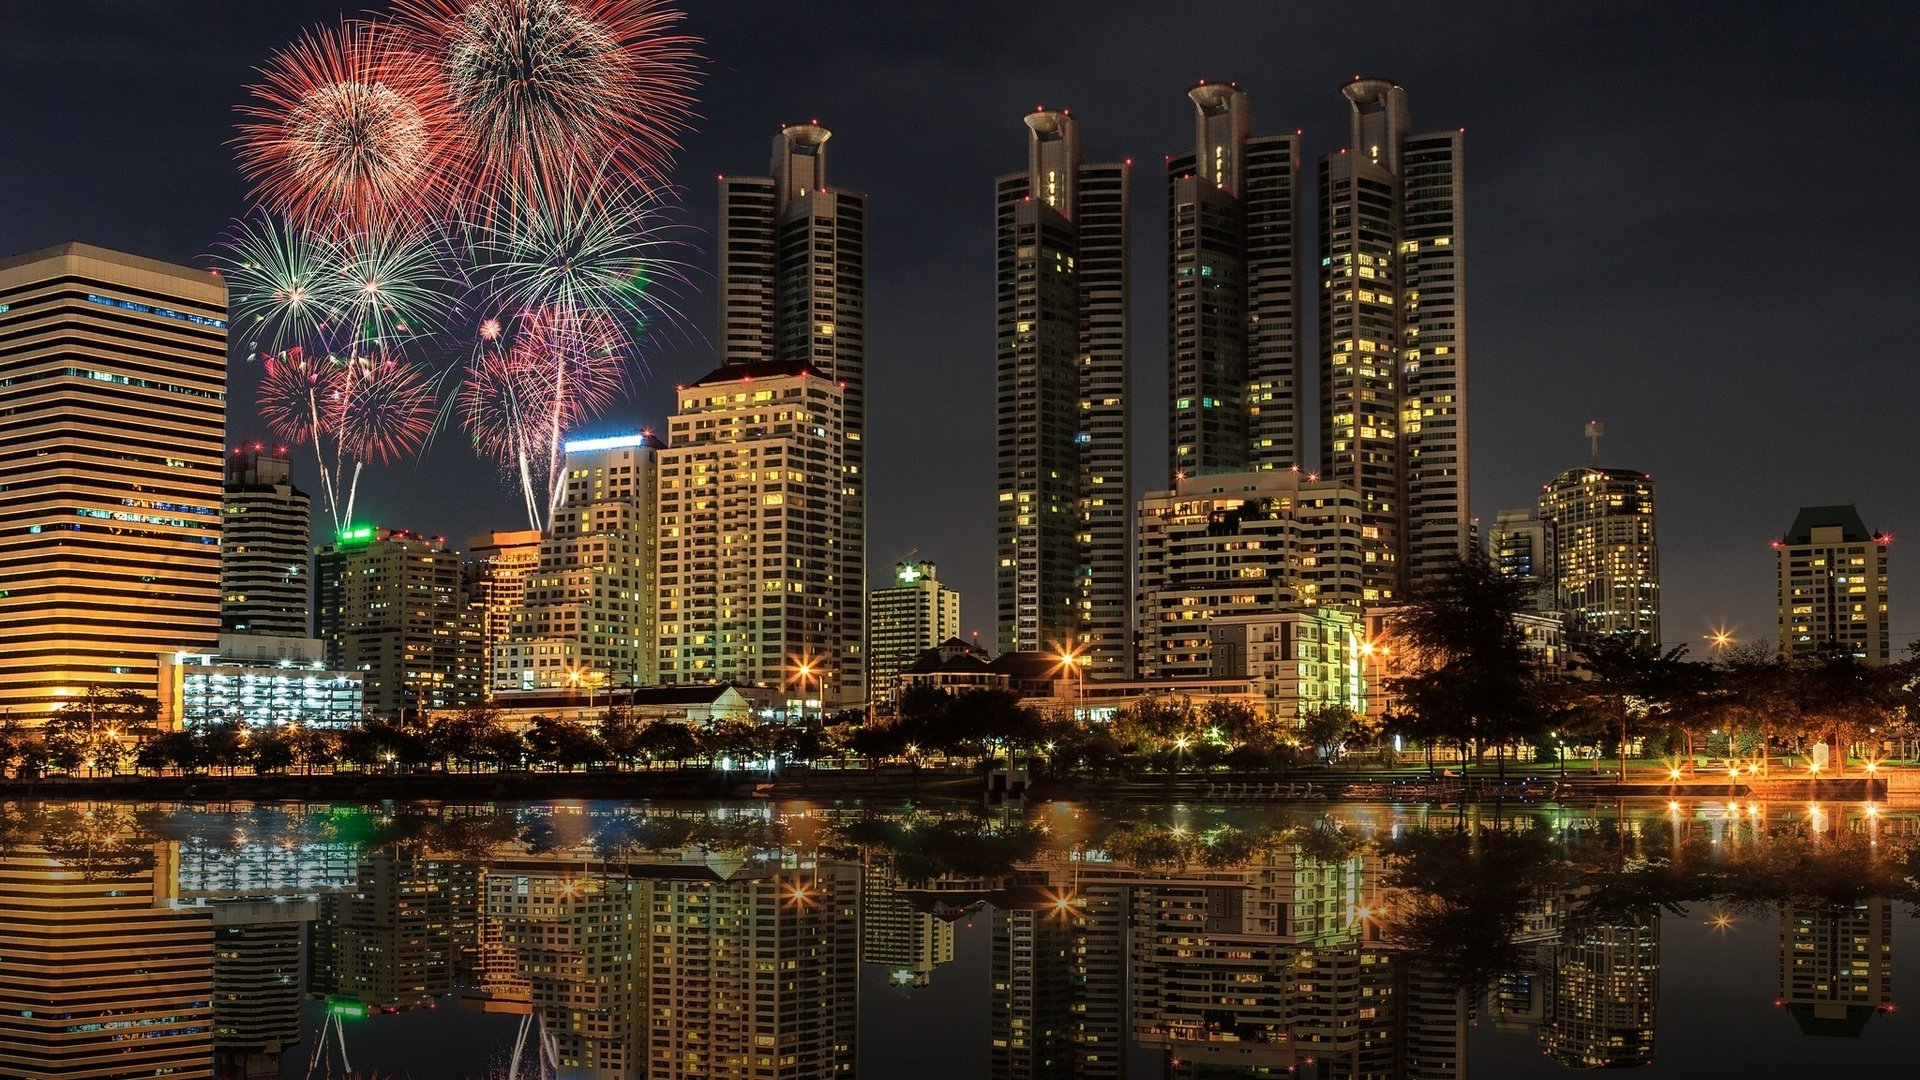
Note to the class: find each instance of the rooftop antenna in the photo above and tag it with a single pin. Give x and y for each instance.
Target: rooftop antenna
(1595, 429)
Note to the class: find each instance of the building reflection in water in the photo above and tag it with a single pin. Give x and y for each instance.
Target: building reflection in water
(692, 945)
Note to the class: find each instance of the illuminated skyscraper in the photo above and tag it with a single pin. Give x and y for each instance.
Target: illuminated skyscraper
(586, 614)
(113, 377)
(259, 983)
(750, 539)
(1393, 336)
(1233, 300)
(1606, 551)
(494, 576)
(908, 617)
(264, 547)
(103, 975)
(390, 605)
(1604, 990)
(1833, 586)
(753, 971)
(911, 943)
(793, 290)
(1836, 964)
(1521, 547)
(1063, 521)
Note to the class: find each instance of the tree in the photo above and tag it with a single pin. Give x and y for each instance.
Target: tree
(566, 743)
(1634, 686)
(1328, 728)
(1472, 681)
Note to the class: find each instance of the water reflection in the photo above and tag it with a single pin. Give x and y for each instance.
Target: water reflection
(614, 941)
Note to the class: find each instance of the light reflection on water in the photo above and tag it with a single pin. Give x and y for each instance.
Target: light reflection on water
(812, 940)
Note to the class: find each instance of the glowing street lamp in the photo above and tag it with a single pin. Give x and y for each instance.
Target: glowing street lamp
(1073, 662)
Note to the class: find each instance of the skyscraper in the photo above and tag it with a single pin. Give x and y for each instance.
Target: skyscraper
(793, 289)
(1521, 547)
(587, 610)
(264, 547)
(1233, 293)
(1063, 458)
(1604, 993)
(1606, 551)
(1393, 336)
(750, 537)
(113, 375)
(914, 614)
(1836, 963)
(390, 605)
(104, 974)
(1833, 586)
(494, 576)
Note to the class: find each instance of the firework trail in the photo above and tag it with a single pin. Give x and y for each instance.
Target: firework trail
(531, 86)
(410, 169)
(349, 129)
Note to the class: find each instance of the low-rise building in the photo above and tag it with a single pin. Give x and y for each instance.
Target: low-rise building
(259, 679)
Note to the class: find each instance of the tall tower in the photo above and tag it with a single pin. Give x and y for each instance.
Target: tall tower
(264, 547)
(391, 605)
(793, 289)
(1393, 332)
(750, 535)
(494, 576)
(1063, 457)
(915, 613)
(1833, 586)
(587, 609)
(1606, 570)
(113, 379)
(1233, 293)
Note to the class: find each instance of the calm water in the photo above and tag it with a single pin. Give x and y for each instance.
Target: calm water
(1078, 941)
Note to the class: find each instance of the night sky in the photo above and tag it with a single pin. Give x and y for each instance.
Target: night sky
(1694, 222)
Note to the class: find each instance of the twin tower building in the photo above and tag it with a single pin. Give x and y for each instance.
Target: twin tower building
(1389, 377)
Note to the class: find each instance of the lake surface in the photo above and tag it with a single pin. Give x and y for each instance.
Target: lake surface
(804, 940)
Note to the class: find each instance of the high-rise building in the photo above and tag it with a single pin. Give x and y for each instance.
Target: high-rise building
(494, 576)
(113, 378)
(1063, 523)
(390, 605)
(1393, 336)
(750, 539)
(1233, 293)
(916, 613)
(1836, 963)
(1521, 547)
(578, 938)
(1603, 994)
(1606, 552)
(1833, 586)
(105, 975)
(909, 942)
(397, 936)
(793, 290)
(1239, 544)
(259, 983)
(1032, 994)
(792, 1012)
(264, 547)
(586, 614)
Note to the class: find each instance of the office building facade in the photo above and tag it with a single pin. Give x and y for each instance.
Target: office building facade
(113, 382)
(264, 547)
(750, 538)
(1606, 551)
(1233, 293)
(1239, 544)
(1832, 574)
(1393, 336)
(1520, 546)
(586, 612)
(916, 613)
(793, 290)
(1063, 468)
(494, 576)
(390, 606)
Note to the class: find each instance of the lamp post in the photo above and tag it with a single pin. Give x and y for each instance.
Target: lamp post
(1074, 663)
(803, 671)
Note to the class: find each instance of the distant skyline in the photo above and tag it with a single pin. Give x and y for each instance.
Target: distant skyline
(1688, 222)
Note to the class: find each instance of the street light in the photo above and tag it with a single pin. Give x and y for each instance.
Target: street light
(807, 669)
(1074, 663)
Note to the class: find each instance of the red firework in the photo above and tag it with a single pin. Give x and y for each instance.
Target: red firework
(297, 395)
(532, 86)
(383, 410)
(349, 128)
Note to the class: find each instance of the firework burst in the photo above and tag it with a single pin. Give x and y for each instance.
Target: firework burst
(347, 129)
(395, 285)
(280, 280)
(533, 85)
(383, 410)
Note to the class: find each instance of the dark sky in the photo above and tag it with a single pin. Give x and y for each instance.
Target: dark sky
(1694, 222)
